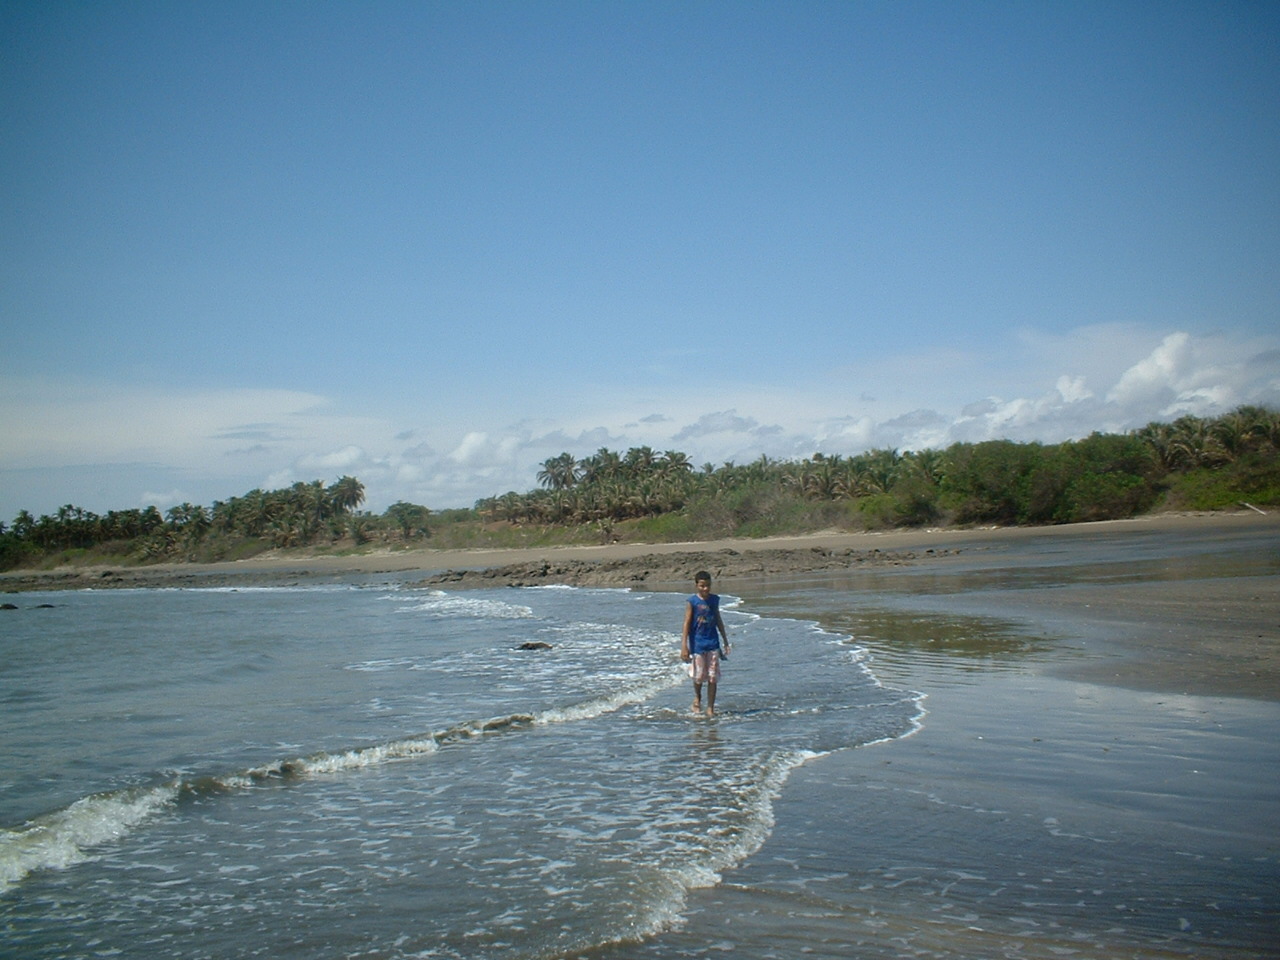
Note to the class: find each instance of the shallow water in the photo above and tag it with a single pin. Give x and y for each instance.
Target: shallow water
(1106, 823)
(382, 772)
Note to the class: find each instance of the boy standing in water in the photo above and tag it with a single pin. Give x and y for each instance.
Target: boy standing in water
(700, 641)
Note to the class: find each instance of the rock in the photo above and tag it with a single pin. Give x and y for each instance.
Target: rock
(661, 569)
(534, 645)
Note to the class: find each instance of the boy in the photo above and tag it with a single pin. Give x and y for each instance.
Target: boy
(700, 641)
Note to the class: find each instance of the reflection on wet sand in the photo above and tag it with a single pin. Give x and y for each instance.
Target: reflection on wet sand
(1095, 777)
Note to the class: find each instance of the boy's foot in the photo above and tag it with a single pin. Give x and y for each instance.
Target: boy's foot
(711, 711)
(697, 706)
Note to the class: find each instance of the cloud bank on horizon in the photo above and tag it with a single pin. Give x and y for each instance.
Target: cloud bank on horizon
(215, 444)
(431, 246)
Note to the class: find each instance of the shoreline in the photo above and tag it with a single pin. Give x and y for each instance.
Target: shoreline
(629, 563)
(1220, 637)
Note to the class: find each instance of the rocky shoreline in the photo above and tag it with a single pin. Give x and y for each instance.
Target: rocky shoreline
(665, 569)
(143, 578)
(645, 570)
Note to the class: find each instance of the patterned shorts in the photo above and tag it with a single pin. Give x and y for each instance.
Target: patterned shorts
(706, 667)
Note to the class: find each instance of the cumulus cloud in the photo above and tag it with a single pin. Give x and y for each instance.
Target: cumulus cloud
(725, 421)
(1159, 375)
(474, 448)
(348, 457)
(162, 501)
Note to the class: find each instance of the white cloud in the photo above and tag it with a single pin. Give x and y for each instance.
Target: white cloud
(725, 421)
(1160, 373)
(348, 457)
(162, 501)
(1073, 390)
(472, 450)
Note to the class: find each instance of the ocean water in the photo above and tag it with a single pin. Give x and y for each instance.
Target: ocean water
(373, 770)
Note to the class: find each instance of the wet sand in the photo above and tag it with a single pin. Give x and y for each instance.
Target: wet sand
(1096, 775)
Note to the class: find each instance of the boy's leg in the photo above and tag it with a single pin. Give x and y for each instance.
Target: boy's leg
(699, 675)
(713, 679)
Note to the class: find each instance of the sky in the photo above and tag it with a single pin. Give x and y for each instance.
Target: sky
(432, 244)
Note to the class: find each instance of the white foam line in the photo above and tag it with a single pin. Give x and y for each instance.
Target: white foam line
(599, 707)
(64, 838)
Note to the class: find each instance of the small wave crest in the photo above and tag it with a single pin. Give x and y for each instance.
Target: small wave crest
(63, 838)
(440, 604)
(599, 706)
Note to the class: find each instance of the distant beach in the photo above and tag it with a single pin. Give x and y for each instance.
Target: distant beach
(735, 555)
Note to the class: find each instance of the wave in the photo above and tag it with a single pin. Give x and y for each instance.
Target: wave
(660, 888)
(238, 588)
(66, 837)
(442, 604)
(61, 839)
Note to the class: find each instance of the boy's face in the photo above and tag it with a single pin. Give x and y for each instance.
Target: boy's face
(703, 587)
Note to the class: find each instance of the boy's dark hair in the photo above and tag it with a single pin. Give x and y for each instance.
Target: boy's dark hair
(702, 575)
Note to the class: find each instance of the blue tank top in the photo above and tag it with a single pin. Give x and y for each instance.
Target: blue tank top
(703, 634)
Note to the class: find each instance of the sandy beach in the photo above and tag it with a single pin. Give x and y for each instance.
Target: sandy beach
(921, 542)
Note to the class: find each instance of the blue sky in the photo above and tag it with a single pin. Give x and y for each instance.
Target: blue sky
(431, 245)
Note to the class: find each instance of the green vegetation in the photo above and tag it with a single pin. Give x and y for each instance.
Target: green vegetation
(643, 495)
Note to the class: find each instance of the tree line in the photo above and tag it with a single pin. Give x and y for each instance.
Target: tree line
(1192, 462)
(1102, 476)
(299, 515)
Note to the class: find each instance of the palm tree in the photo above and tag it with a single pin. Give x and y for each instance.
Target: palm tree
(559, 473)
(673, 463)
(312, 505)
(1161, 437)
(23, 524)
(345, 495)
(640, 461)
(929, 465)
(359, 527)
(818, 480)
(510, 506)
(854, 479)
(1195, 443)
(602, 465)
(189, 520)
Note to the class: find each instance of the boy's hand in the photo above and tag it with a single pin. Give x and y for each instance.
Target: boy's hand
(724, 651)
